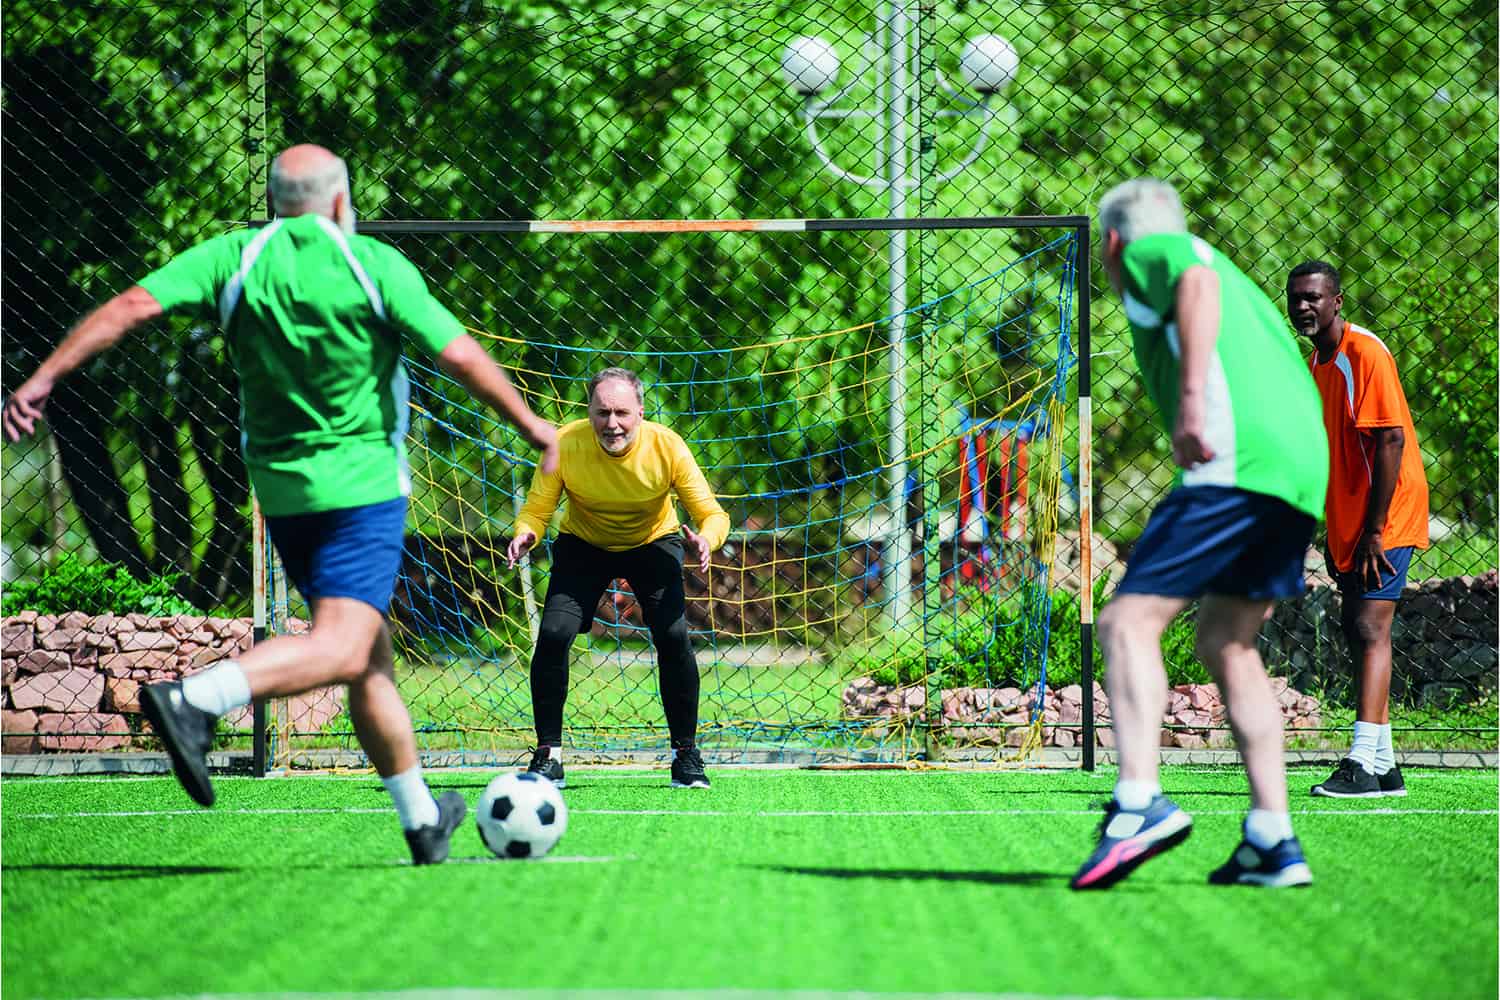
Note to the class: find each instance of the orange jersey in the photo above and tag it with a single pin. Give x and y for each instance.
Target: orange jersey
(1361, 392)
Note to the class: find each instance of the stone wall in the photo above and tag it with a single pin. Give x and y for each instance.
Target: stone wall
(1443, 642)
(71, 681)
(1195, 716)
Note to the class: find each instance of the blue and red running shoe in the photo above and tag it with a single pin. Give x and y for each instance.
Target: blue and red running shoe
(1129, 837)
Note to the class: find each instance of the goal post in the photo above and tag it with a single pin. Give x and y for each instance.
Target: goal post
(763, 342)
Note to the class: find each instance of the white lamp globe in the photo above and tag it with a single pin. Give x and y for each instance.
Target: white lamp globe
(809, 64)
(989, 63)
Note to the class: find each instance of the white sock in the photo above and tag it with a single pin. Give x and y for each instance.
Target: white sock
(1265, 829)
(555, 753)
(414, 802)
(1136, 795)
(219, 689)
(1366, 739)
(1385, 753)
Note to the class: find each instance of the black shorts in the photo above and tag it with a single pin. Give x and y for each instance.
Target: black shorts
(581, 572)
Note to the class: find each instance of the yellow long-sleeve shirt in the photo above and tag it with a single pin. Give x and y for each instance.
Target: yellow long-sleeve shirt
(619, 502)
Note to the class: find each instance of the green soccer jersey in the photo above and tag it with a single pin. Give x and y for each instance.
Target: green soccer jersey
(1264, 421)
(315, 320)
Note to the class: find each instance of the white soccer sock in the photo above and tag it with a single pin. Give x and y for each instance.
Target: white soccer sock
(1265, 829)
(414, 802)
(1366, 739)
(1136, 795)
(1385, 752)
(219, 689)
(555, 752)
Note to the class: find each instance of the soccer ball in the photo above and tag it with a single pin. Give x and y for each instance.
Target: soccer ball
(521, 815)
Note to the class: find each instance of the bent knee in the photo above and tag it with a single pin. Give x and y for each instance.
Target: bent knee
(1368, 633)
(554, 634)
(1118, 622)
(674, 633)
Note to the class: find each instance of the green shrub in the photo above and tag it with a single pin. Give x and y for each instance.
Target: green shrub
(97, 588)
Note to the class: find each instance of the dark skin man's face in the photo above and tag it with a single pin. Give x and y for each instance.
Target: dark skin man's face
(1312, 305)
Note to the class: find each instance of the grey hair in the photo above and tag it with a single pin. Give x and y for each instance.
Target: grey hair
(624, 375)
(1141, 207)
(297, 194)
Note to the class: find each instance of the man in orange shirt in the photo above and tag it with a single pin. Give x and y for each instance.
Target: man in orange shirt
(1376, 509)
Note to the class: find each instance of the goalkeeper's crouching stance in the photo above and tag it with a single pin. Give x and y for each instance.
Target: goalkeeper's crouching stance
(619, 471)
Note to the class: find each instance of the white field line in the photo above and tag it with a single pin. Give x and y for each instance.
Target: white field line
(462, 993)
(596, 772)
(754, 814)
(554, 859)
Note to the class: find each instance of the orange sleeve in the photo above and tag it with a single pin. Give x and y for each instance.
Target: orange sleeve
(1378, 399)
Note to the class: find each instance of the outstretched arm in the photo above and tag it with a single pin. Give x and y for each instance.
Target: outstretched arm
(702, 506)
(536, 513)
(471, 364)
(96, 332)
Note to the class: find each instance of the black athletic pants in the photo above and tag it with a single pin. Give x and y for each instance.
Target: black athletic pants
(580, 574)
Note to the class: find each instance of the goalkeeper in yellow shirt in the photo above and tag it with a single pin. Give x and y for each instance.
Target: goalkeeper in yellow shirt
(619, 471)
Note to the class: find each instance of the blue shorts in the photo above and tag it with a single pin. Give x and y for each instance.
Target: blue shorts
(1388, 588)
(351, 552)
(1220, 540)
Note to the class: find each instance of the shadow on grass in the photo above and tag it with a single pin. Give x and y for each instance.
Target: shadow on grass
(925, 875)
(113, 873)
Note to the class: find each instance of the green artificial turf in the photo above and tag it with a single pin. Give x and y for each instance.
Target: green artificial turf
(773, 881)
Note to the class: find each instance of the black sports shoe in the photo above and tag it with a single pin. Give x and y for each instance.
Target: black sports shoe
(186, 731)
(1349, 780)
(1130, 837)
(1283, 866)
(1391, 783)
(429, 844)
(543, 764)
(687, 769)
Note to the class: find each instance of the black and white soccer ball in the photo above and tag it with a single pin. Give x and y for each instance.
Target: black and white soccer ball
(521, 815)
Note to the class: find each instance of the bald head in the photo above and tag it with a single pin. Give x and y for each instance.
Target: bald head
(310, 179)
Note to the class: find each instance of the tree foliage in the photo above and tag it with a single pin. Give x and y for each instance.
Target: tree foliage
(1358, 133)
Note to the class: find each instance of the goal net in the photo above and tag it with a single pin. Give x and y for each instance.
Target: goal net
(894, 451)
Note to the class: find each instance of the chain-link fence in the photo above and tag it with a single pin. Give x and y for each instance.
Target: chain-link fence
(1359, 134)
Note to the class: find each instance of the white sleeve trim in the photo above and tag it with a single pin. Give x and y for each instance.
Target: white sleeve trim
(230, 297)
(360, 274)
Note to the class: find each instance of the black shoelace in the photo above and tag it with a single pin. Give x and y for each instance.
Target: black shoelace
(1345, 770)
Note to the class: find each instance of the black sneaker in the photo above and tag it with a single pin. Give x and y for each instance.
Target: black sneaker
(429, 844)
(1128, 838)
(1349, 780)
(186, 731)
(543, 764)
(1283, 866)
(1391, 783)
(687, 769)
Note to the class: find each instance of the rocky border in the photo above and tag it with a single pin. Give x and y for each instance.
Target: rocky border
(71, 682)
(1195, 717)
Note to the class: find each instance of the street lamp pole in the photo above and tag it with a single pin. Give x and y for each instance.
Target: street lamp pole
(811, 65)
(898, 546)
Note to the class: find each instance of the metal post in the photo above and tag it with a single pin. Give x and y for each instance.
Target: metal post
(1082, 250)
(255, 158)
(898, 548)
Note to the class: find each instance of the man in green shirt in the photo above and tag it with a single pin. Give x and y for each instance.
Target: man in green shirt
(1246, 428)
(316, 318)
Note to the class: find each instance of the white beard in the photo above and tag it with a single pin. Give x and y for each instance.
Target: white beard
(347, 220)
